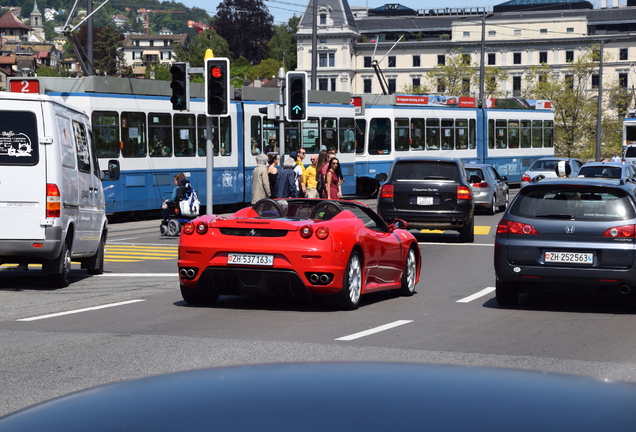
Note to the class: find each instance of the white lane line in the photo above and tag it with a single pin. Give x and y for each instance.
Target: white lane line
(138, 275)
(375, 330)
(475, 296)
(80, 310)
(457, 244)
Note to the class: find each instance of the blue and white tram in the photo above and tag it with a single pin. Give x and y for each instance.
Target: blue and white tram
(399, 125)
(142, 143)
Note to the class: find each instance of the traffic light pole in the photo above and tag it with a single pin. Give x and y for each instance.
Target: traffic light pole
(209, 165)
(281, 115)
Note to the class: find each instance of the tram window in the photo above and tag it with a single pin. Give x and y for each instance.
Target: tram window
(448, 134)
(159, 131)
(292, 136)
(270, 135)
(472, 139)
(491, 134)
(417, 134)
(256, 141)
(347, 135)
(106, 133)
(513, 134)
(432, 134)
(525, 134)
(311, 137)
(380, 136)
(184, 135)
(501, 134)
(202, 135)
(226, 137)
(328, 133)
(401, 134)
(461, 132)
(361, 129)
(537, 134)
(548, 133)
(133, 134)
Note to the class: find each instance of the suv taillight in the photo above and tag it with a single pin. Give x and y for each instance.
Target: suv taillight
(53, 202)
(525, 178)
(387, 191)
(464, 193)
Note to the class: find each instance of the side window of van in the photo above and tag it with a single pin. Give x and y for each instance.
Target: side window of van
(67, 146)
(18, 138)
(81, 148)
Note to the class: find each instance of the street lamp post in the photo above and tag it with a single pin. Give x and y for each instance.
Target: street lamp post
(480, 101)
(599, 108)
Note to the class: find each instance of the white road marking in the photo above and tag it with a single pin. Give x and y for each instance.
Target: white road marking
(80, 310)
(475, 296)
(138, 275)
(456, 244)
(374, 330)
(118, 240)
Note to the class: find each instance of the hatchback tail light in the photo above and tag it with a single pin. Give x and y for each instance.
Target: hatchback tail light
(525, 178)
(53, 202)
(624, 231)
(481, 185)
(387, 191)
(511, 227)
(464, 193)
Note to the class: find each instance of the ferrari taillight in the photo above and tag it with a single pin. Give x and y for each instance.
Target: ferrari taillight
(306, 231)
(53, 201)
(202, 228)
(188, 228)
(387, 191)
(322, 233)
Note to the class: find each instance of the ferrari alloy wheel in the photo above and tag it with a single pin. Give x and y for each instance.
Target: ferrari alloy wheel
(408, 274)
(352, 286)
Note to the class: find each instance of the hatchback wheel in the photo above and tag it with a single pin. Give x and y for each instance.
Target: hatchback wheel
(493, 205)
(506, 294)
(504, 206)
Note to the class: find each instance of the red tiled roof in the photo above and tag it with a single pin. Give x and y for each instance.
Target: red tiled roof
(7, 60)
(9, 21)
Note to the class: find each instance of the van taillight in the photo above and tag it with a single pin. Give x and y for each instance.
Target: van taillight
(510, 227)
(463, 193)
(53, 202)
(387, 191)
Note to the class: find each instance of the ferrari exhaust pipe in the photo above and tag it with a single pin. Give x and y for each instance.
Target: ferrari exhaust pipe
(313, 278)
(324, 278)
(187, 273)
(183, 273)
(190, 273)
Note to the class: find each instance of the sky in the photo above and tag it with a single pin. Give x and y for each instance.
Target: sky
(283, 10)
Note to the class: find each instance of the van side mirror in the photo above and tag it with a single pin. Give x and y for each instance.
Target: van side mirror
(113, 170)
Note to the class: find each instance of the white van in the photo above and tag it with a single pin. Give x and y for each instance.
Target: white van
(52, 207)
(629, 155)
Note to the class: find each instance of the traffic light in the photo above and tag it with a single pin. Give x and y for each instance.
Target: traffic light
(296, 108)
(180, 86)
(217, 86)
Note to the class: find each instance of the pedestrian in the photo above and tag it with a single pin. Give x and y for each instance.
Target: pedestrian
(300, 170)
(169, 205)
(333, 183)
(320, 179)
(616, 158)
(260, 179)
(325, 168)
(286, 183)
(272, 172)
(310, 178)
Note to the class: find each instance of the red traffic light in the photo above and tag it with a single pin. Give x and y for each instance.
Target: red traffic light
(216, 72)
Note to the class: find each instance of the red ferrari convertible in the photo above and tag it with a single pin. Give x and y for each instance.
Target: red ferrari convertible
(300, 248)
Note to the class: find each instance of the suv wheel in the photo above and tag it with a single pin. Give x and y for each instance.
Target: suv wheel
(467, 233)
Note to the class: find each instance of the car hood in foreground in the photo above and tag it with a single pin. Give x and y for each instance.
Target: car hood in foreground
(341, 397)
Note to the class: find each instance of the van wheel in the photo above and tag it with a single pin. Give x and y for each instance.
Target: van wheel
(98, 267)
(62, 278)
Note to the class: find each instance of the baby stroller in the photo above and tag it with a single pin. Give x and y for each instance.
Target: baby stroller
(181, 211)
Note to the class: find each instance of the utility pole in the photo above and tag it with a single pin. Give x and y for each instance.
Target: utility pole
(599, 108)
(480, 101)
(314, 47)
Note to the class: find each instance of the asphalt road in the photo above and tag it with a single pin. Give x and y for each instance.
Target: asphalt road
(131, 322)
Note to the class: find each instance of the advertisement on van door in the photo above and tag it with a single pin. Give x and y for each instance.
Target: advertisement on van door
(18, 139)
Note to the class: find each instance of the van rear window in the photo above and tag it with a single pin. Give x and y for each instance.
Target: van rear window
(425, 170)
(18, 138)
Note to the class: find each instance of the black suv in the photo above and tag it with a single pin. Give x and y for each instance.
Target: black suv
(429, 193)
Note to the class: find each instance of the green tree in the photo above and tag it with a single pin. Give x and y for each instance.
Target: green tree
(49, 71)
(454, 77)
(240, 70)
(419, 90)
(161, 71)
(108, 58)
(268, 68)
(576, 105)
(196, 49)
(282, 46)
(247, 26)
(492, 77)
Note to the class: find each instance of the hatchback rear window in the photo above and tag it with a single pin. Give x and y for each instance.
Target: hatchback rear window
(600, 172)
(18, 138)
(419, 170)
(577, 203)
(547, 165)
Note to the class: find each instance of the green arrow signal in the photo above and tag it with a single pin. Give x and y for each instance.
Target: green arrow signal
(296, 109)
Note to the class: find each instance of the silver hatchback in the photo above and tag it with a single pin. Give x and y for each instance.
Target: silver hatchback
(547, 168)
(490, 190)
(571, 234)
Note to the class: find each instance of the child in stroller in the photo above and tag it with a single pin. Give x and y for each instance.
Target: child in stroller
(181, 208)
